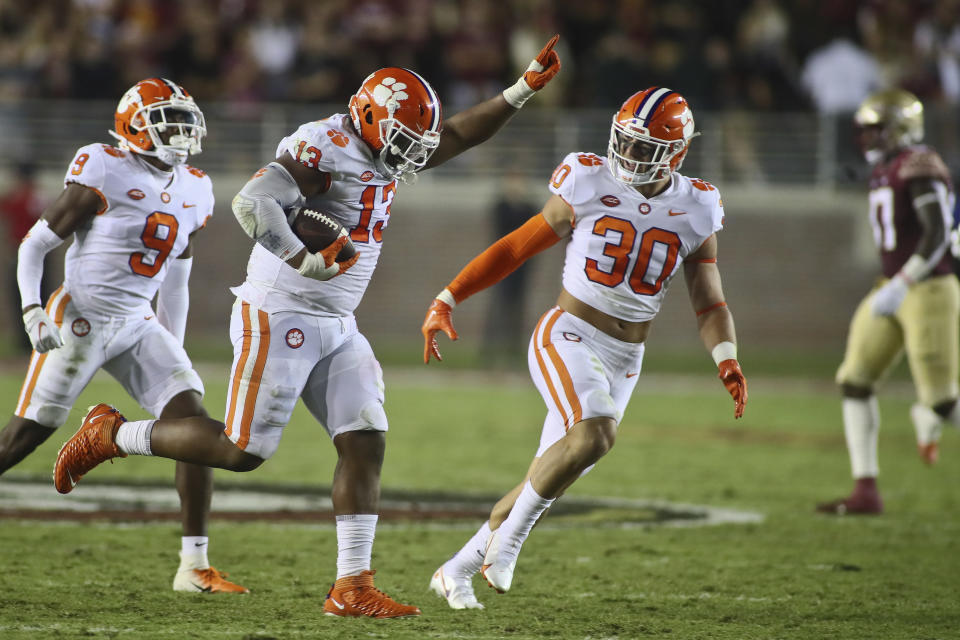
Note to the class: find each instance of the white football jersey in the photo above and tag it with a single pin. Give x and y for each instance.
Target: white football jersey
(358, 197)
(118, 261)
(625, 248)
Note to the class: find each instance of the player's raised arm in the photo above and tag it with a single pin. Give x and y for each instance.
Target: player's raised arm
(478, 123)
(499, 260)
(714, 319)
(75, 205)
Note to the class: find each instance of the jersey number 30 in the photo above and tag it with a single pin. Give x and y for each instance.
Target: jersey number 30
(659, 249)
(159, 234)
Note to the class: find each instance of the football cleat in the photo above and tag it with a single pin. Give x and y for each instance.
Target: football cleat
(207, 580)
(497, 565)
(93, 443)
(857, 504)
(457, 591)
(355, 596)
(928, 426)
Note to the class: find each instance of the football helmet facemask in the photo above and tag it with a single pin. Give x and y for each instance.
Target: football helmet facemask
(158, 118)
(398, 115)
(887, 121)
(650, 136)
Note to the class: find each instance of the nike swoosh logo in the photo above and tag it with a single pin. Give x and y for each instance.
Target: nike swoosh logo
(630, 375)
(676, 213)
(147, 317)
(187, 206)
(199, 544)
(337, 604)
(70, 478)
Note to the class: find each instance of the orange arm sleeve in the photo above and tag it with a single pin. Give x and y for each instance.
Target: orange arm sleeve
(502, 257)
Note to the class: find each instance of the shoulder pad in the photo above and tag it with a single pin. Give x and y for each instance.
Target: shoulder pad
(923, 163)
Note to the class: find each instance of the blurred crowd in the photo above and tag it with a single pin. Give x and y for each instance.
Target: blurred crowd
(770, 55)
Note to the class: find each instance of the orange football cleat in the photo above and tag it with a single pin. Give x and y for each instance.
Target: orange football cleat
(207, 580)
(92, 444)
(355, 596)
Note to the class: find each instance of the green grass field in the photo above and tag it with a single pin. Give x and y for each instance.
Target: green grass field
(795, 575)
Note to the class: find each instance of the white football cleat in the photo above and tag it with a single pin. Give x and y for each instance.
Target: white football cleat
(498, 566)
(458, 592)
(928, 425)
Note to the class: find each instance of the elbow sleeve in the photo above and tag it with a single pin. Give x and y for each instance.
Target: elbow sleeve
(173, 298)
(38, 242)
(261, 208)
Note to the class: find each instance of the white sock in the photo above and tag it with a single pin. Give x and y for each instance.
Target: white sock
(134, 437)
(927, 423)
(193, 552)
(354, 543)
(524, 514)
(468, 560)
(861, 425)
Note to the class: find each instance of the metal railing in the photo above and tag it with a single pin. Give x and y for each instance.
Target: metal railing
(734, 148)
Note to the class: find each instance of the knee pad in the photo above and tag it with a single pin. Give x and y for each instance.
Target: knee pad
(51, 415)
(599, 403)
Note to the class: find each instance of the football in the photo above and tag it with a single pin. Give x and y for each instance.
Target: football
(317, 230)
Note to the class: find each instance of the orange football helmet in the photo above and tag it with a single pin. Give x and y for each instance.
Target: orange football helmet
(158, 118)
(398, 114)
(650, 136)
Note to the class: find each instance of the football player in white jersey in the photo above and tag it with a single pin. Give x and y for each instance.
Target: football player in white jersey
(293, 328)
(133, 211)
(630, 222)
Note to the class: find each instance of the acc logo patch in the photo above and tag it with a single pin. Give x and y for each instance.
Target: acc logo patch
(571, 337)
(80, 327)
(610, 201)
(366, 176)
(294, 338)
(165, 196)
(644, 208)
(136, 194)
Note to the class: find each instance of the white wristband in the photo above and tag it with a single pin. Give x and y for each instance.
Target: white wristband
(517, 94)
(915, 269)
(446, 296)
(724, 351)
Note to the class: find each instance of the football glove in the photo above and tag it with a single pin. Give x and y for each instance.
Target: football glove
(736, 384)
(438, 319)
(538, 74)
(889, 297)
(323, 265)
(42, 330)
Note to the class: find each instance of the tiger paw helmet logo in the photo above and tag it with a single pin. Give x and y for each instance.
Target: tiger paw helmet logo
(390, 92)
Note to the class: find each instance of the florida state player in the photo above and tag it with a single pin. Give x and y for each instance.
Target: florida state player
(915, 308)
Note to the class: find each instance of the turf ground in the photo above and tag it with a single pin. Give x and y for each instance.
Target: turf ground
(793, 575)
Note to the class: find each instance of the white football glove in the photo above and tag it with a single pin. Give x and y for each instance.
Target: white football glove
(889, 297)
(43, 332)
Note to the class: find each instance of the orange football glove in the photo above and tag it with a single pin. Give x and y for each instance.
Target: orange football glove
(735, 382)
(323, 264)
(549, 64)
(538, 74)
(438, 319)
